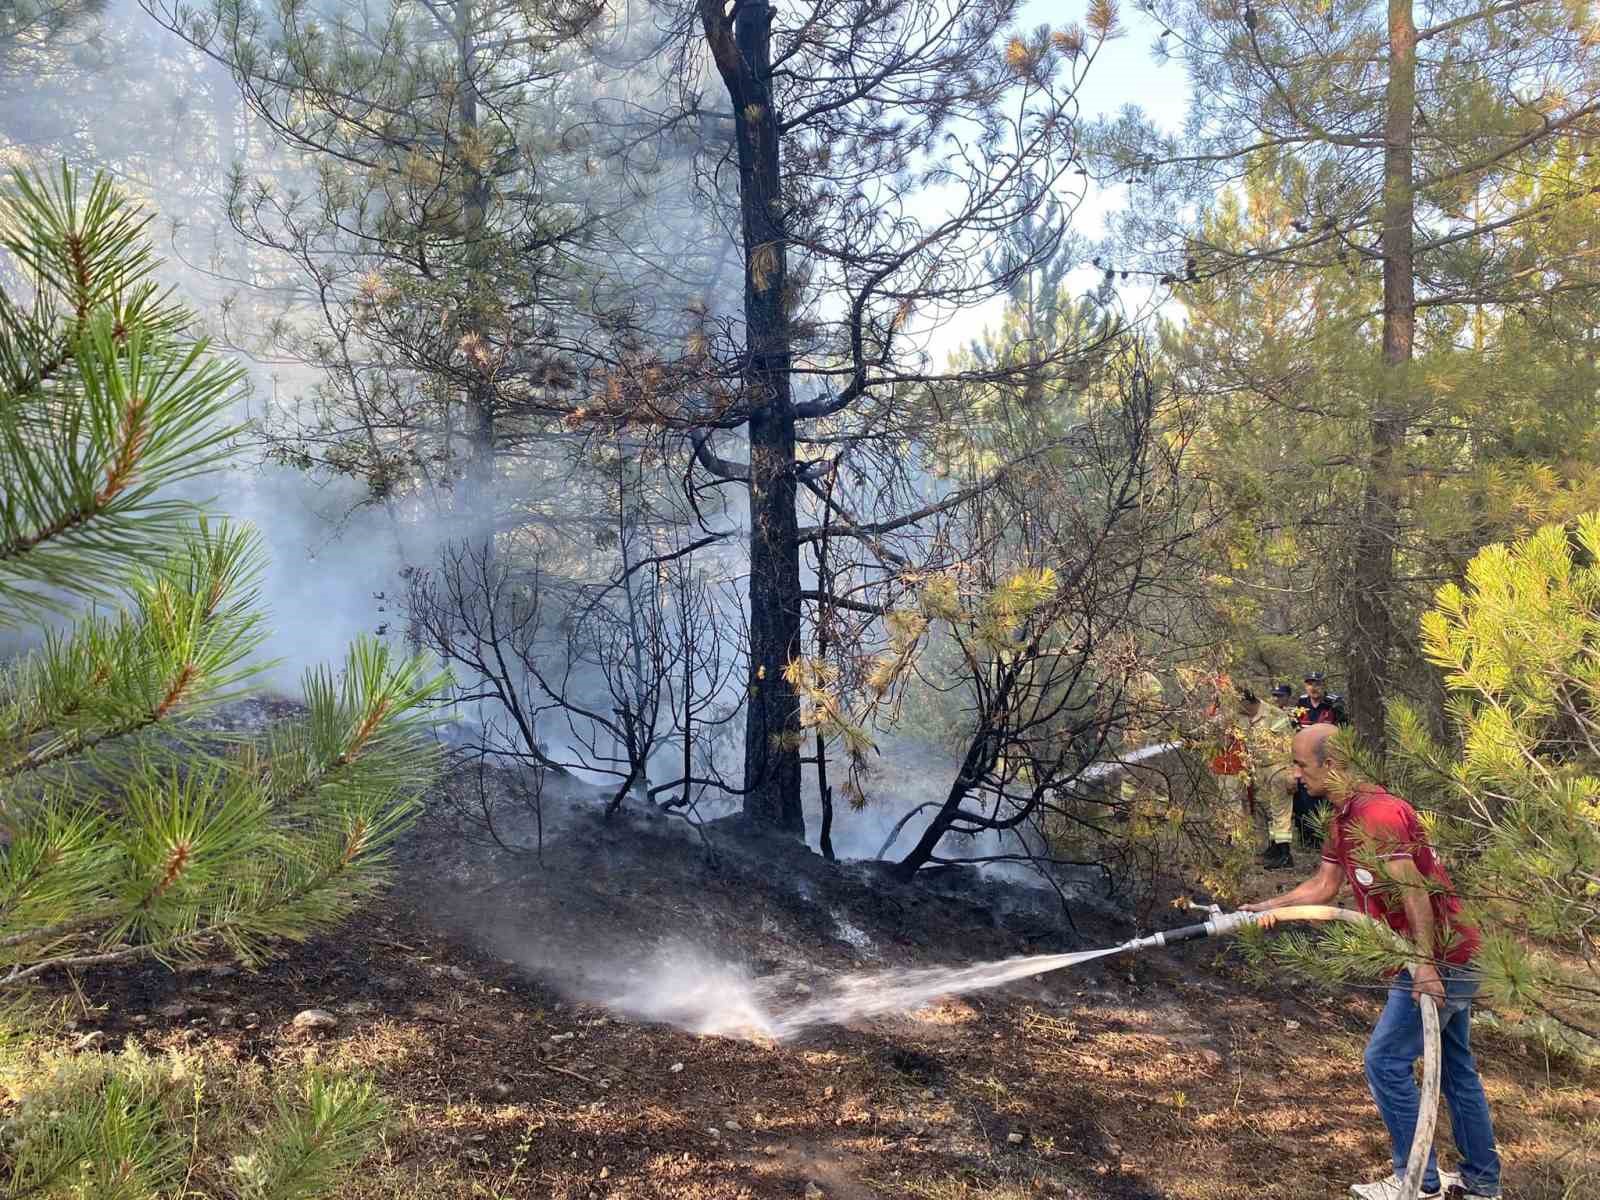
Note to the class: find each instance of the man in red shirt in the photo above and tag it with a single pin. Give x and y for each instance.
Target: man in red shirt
(1376, 843)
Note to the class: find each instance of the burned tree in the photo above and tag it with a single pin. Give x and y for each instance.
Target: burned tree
(882, 153)
(1047, 588)
(605, 680)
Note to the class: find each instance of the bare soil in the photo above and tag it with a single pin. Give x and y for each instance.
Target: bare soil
(1168, 1076)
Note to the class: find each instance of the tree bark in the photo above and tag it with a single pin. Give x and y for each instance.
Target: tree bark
(478, 500)
(1370, 634)
(772, 712)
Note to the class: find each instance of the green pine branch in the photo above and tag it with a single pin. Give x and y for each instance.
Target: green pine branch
(103, 403)
(128, 835)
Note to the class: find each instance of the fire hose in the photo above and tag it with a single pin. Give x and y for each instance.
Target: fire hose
(1220, 924)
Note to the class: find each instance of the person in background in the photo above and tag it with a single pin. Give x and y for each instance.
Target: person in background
(1377, 845)
(1316, 707)
(1228, 763)
(1267, 737)
(1283, 698)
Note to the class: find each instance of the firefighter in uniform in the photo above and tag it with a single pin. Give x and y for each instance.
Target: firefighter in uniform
(1228, 763)
(1315, 706)
(1268, 733)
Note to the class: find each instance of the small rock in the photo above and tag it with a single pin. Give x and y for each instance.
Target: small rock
(224, 971)
(714, 1132)
(93, 1040)
(813, 1192)
(676, 1068)
(827, 1092)
(315, 1020)
(770, 1151)
(174, 1011)
(458, 975)
(733, 1126)
(1014, 1138)
(605, 1172)
(1291, 1026)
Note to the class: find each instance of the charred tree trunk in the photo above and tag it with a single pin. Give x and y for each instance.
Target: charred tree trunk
(743, 54)
(1370, 635)
(824, 620)
(983, 752)
(478, 482)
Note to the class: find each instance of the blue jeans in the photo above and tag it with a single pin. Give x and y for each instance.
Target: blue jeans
(1392, 1052)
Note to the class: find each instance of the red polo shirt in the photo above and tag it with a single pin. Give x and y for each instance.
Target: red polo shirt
(1375, 825)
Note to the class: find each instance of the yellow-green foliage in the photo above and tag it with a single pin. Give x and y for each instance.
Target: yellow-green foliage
(1515, 791)
(986, 625)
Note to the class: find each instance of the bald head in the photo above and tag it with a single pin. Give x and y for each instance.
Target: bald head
(1313, 742)
(1313, 757)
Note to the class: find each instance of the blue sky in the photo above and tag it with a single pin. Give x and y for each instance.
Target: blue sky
(1124, 72)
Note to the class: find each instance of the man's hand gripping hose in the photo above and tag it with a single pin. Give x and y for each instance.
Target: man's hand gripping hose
(1219, 923)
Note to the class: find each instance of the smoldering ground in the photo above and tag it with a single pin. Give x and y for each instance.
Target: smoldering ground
(737, 932)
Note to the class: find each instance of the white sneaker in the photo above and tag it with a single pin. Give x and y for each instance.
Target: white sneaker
(1389, 1188)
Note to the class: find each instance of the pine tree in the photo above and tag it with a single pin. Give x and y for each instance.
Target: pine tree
(128, 835)
(1280, 370)
(431, 261)
(1419, 157)
(844, 120)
